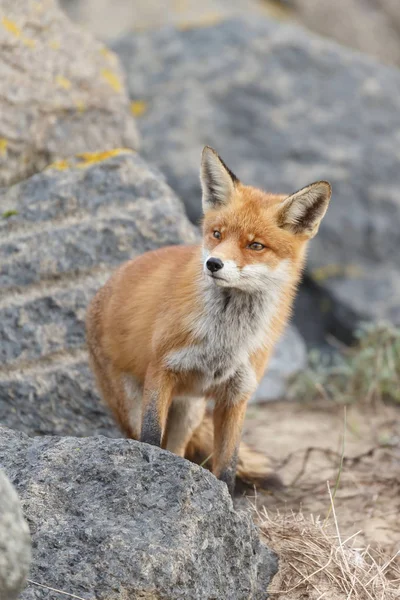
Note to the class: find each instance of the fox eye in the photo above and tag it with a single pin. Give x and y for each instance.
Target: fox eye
(256, 246)
(217, 234)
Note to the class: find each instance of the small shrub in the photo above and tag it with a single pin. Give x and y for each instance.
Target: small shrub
(369, 371)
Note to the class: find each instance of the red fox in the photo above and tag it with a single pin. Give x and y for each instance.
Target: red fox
(178, 326)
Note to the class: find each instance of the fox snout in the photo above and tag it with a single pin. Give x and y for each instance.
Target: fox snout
(222, 271)
(214, 264)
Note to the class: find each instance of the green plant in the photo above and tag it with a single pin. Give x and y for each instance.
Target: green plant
(369, 371)
(9, 213)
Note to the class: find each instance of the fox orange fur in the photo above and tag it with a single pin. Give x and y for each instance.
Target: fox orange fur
(176, 327)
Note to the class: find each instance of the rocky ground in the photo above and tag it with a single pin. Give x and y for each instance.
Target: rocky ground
(284, 108)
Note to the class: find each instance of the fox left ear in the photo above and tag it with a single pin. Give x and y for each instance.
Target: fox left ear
(217, 181)
(302, 212)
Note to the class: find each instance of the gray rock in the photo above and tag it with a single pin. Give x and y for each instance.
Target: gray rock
(62, 92)
(15, 544)
(351, 22)
(74, 224)
(288, 359)
(284, 108)
(115, 519)
(60, 399)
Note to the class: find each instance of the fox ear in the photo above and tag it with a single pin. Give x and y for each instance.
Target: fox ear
(302, 212)
(217, 181)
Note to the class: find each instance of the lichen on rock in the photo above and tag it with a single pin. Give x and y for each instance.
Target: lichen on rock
(63, 92)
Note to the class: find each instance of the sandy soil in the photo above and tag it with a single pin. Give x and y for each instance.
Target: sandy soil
(305, 444)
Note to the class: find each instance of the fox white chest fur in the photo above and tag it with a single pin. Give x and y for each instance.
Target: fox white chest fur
(233, 324)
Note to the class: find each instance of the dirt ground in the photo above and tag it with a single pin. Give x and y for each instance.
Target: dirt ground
(305, 443)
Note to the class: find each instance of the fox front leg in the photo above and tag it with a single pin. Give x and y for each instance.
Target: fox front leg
(228, 422)
(157, 398)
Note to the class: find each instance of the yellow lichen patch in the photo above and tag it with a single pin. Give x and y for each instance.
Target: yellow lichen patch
(329, 271)
(63, 82)
(80, 105)
(206, 21)
(60, 165)
(29, 42)
(110, 56)
(11, 27)
(112, 79)
(3, 146)
(90, 158)
(138, 108)
(54, 44)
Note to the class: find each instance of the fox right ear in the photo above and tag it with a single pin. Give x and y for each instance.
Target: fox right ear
(302, 212)
(217, 181)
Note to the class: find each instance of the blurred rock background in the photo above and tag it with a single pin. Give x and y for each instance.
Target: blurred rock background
(371, 27)
(104, 109)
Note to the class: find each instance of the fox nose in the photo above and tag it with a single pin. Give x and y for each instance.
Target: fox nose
(214, 264)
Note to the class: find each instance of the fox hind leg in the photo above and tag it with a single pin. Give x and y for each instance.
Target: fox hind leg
(120, 392)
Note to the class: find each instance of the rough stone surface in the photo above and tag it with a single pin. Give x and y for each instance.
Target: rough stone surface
(15, 545)
(74, 223)
(284, 108)
(61, 399)
(114, 519)
(62, 91)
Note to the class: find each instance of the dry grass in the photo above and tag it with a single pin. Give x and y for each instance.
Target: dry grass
(318, 559)
(351, 551)
(316, 563)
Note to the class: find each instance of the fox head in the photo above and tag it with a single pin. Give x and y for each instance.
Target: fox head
(252, 238)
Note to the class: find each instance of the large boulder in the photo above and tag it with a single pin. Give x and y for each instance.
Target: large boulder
(67, 229)
(284, 109)
(15, 544)
(61, 91)
(116, 519)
